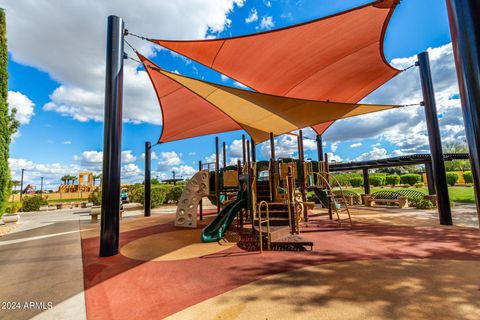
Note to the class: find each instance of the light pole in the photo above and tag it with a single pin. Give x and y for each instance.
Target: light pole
(41, 186)
(21, 185)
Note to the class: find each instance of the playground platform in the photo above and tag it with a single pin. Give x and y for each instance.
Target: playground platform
(392, 264)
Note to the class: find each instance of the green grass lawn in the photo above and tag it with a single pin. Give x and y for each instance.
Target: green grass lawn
(457, 194)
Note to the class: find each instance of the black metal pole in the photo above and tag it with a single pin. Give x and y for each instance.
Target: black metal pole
(327, 177)
(254, 152)
(272, 168)
(430, 180)
(440, 178)
(464, 16)
(319, 147)
(244, 155)
(224, 147)
(112, 139)
(21, 185)
(366, 183)
(147, 205)
(201, 199)
(272, 146)
(301, 173)
(41, 185)
(248, 153)
(217, 174)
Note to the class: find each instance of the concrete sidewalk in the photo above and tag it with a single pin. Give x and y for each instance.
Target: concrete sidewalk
(41, 271)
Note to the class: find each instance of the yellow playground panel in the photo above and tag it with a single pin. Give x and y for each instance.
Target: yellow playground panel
(82, 186)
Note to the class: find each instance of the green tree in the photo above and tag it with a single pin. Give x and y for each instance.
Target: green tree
(8, 124)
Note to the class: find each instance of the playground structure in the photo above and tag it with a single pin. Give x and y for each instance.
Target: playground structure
(81, 186)
(277, 203)
(289, 96)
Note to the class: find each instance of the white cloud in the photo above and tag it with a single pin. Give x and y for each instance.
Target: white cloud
(375, 153)
(184, 171)
(78, 64)
(131, 173)
(405, 128)
(224, 78)
(153, 156)
(334, 146)
(356, 145)
(24, 106)
(192, 153)
(168, 159)
(252, 16)
(128, 157)
(50, 172)
(67, 142)
(93, 160)
(266, 23)
(334, 157)
(286, 146)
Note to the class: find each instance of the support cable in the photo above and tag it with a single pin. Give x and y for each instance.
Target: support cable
(128, 33)
(410, 67)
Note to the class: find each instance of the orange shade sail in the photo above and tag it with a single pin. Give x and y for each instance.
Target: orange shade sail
(191, 108)
(336, 58)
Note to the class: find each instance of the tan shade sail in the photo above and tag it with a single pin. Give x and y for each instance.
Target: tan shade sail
(336, 58)
(192, 108)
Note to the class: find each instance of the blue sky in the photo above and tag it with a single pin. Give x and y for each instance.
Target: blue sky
(55, 137)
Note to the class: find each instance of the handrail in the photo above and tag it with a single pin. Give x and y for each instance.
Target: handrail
(332, 195)
(260, 221)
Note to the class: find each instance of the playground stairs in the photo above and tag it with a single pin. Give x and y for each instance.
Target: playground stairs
(263, 191)
(280, 236)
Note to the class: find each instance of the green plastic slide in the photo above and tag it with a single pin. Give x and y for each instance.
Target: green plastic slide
(322, 195)
(214, 230)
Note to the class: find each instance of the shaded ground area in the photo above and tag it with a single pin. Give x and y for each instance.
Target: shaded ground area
(387, 265)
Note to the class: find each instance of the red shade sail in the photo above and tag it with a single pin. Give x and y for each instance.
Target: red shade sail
(191, 107)
(336, 58)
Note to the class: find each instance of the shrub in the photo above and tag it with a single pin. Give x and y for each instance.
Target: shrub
(33, 203)
(95, 197)
(174, 193)
(405, 186)
(419, 185)
(410, 178)
(158, 197)
(137, 194)
(392, 180)
(452, 178)
(343, 178)
(376, 180)
(467, 176)
(423, 204)
(356, 182)
(13, 208)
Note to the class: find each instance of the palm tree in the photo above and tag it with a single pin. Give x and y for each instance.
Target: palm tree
(73, 178)
(64, 179)
(96, 177)
(15, 183)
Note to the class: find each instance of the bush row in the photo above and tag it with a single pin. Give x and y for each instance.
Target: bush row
(380, 179)
(161, 194)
